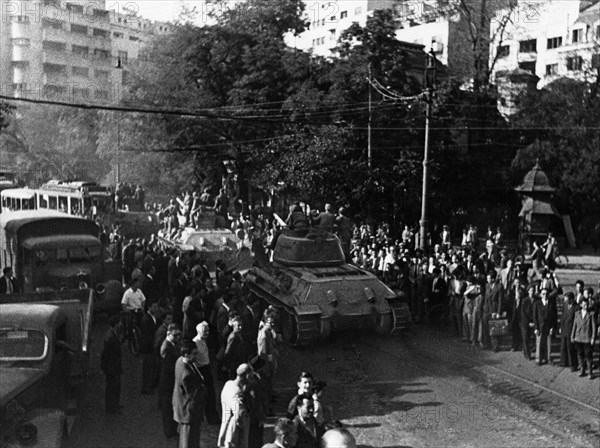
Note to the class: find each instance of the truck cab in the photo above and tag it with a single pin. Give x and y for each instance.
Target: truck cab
(43, 353)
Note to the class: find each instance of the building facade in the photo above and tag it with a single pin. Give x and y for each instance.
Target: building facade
(551, 39)
(69, 51)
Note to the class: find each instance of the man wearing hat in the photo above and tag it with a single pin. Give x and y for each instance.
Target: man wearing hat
(235, 424)
(255, 399)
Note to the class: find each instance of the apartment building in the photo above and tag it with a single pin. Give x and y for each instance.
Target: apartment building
(551, 39)
(328, 19)
(69, 51)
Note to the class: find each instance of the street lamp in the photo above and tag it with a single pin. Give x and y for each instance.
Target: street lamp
(118, 66)
(429, 82)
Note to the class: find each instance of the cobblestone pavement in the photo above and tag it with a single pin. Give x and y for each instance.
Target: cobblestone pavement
(420, 389)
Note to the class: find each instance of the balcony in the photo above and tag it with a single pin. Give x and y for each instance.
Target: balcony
(20, 30)
(55, 34)
(19, 74)
(21, 54)
(54, 57)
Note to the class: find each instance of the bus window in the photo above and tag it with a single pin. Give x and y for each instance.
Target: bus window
(42, 257)
(63, 204)
(43, 201)
(74, 207)
(87, 206)
(4, 203)
(28, 204)
(53, 202)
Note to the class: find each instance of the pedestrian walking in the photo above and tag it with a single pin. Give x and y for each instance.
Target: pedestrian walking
(148, 328)
(111, 365)
(544, 322)
(204, 365)
(568, 352)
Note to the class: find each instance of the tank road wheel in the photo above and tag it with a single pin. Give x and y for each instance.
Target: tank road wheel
(384, 323)
(401, 316)
(301, 330)
(289, 327)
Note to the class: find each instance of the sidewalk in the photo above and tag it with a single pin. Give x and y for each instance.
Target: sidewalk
(583, 259)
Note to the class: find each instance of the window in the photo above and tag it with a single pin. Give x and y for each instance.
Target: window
(357, 10)
(78, 29)
(55, 68)
(596, 60)
(100, 54)
(503, 51)
(53, 91)
(75, 8)
(577, 36)
(20, 19)
(54, 24)
(332, 34)
(118, 35)
(80, 50)
(81, 92)
(54, 46)
(343, 14)
(101, 75)
(551, 69)
(134, 38)
(100, 33)
(83, 72)
(574, 63)
(554, 42)
(528, 66)
(123, 57)
(21, 42)
(528, 46)
(333, 19)
(101, 94)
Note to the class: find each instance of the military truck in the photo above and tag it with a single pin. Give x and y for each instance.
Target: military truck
(52, 251)
(317, 292)
(44, 353)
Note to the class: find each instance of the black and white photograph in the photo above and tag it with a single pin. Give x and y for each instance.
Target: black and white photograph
(299, 223)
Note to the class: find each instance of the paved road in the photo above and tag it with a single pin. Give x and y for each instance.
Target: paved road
(421, 389)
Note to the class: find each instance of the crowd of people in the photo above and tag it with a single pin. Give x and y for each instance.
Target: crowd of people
(209, 350)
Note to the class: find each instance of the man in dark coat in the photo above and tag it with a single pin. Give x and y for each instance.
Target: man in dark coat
(8, 284)
(169, 353)
(583, 336)
(236, 350)
(111, 365)
(526, 320)
(492, 304)
(148, 327)
(439, 294)
(308, 430)
(150, 287)
(544, 323)
(568, 353)
(255, 400)
(188, 397)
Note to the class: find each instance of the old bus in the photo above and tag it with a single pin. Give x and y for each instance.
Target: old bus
(77, 198)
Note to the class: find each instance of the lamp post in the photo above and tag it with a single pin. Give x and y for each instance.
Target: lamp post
(118, 66)
(429, 81)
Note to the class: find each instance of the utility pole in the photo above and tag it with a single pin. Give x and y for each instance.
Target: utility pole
(429, 86)
(369, 149)
(118, 66)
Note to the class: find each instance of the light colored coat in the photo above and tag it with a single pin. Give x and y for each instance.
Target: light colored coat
(235, 425)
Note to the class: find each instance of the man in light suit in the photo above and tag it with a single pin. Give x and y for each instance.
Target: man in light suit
(188, 397)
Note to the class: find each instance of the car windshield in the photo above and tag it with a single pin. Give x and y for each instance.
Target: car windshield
(22, 345)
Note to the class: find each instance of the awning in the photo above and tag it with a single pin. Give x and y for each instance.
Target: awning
(60, 241)
(537, 207)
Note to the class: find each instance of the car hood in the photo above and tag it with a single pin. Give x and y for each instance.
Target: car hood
(13, 381)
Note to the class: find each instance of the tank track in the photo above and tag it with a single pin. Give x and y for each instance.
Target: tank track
(308, 328)
(401, 316)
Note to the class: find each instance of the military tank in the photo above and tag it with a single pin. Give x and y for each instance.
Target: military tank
(318, 292)
(211, 243)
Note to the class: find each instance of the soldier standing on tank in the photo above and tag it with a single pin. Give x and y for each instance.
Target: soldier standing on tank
(343, 227)
(326, 219)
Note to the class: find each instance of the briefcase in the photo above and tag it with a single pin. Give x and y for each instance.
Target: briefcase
(499, 327)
